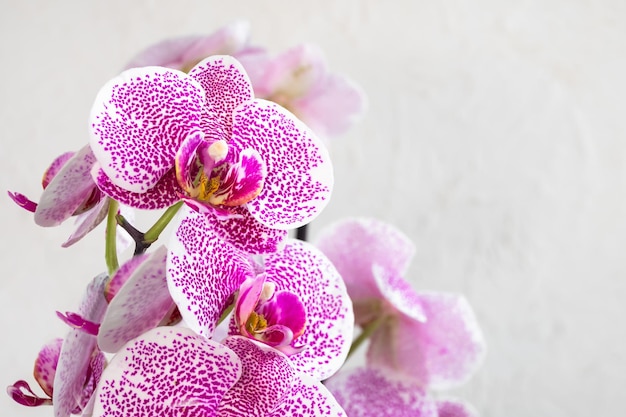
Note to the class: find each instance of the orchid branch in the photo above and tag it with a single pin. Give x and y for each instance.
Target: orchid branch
(110, 249)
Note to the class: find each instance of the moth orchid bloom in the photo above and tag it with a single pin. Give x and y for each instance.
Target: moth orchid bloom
(68, 191)
(294, 301)
(176, 372)
(202, 137)
(68, 369)
(299, 80)
(431, 337)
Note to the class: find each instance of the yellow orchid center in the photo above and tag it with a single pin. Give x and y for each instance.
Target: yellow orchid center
(256, 322)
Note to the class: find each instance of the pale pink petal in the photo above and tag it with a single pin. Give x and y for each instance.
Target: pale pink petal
(303, 270)
(398, 294)
(355, 244)
(165, 193)
(203, 271)
(88, 221)
(68, 190)
(55, 167)
(226, 85)
(299, 178)
(183, 53)
(140, 304)
(365, 392)
(332, 106)
(76, 353)
(455, 408)
(167, 372)
(246, 233)
(122, 275)
(441, 353)
(138, 121)
(46, 365)
(266, 379)
(308, 398)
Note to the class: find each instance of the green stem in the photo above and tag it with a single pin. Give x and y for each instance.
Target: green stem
(366, 333)
(225, 313)
(110, 249)
(153, 233)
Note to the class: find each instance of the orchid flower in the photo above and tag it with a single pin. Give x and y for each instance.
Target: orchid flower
(251, 166)
(293, 300)
(68, 369)
(300, 81)
(176, 372)
(430, 337)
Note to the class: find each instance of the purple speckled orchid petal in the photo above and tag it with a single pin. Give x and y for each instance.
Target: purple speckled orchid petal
(246, 233)
(331, 107)
(203, 271)
(266, 379)
(167, 372)
(441, 353)
(303, 270)
(242, 181)
(46, 365)
(88, 221)
(398, 293)
(23, 201)
(122, 275)
(22, 394)
(364, 392)
(140, 305)
(299, 178)
(163, 194)
(138, 121)
(354, 245)
(76, 353)
(183, 53)
(55, 167)
(308, 398)
(455, 408)
(68, 190)
(226, 85)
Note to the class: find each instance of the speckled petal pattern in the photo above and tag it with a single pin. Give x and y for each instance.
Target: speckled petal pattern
(167, 372)
(246, 233)
(138, 121)
(88, 221)
(396, 291)
(299, 178)
(46, 365)
(266, 379)
(162, 195)
(455, 408)
(140, 305)
(305, 271)
(441, 353)
(77, 351)
(308, 398)
(226, 85)
(68, 190)
(203, 271)
(355, 244)
(55, 167)
(365, 392)
(123, 274)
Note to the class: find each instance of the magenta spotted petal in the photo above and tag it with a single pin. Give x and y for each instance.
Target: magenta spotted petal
(455, 408)
(265, 381)
(88, 221)
(77, 353)
(138, 121)
(354, 245)
(299, 178)
(140, 305)
(55, 167)
(308, 398)
(365, 392)
(122, 275)
(398, 293)
(68, 191)
(203, 271)
(167, 372)
(301, 269)
(441, 353)
(46, 365)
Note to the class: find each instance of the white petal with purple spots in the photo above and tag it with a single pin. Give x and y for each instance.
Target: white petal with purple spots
(308, 398)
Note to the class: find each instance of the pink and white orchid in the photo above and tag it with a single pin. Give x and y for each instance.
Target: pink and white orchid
(161, 135)
(430, 337)
(175, 372)
(292, 300)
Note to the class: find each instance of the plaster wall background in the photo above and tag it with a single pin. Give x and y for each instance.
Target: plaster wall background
(495, 138)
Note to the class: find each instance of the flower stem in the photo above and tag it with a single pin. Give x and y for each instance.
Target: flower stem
(225, 313)
(301, 232)
(153, 233)
(110, 249)
(366, 333)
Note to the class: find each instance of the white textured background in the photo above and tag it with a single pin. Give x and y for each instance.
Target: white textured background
(495, 138)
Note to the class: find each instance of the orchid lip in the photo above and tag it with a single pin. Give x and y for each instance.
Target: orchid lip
(23, 201)
(17, 392)
(78, 322)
